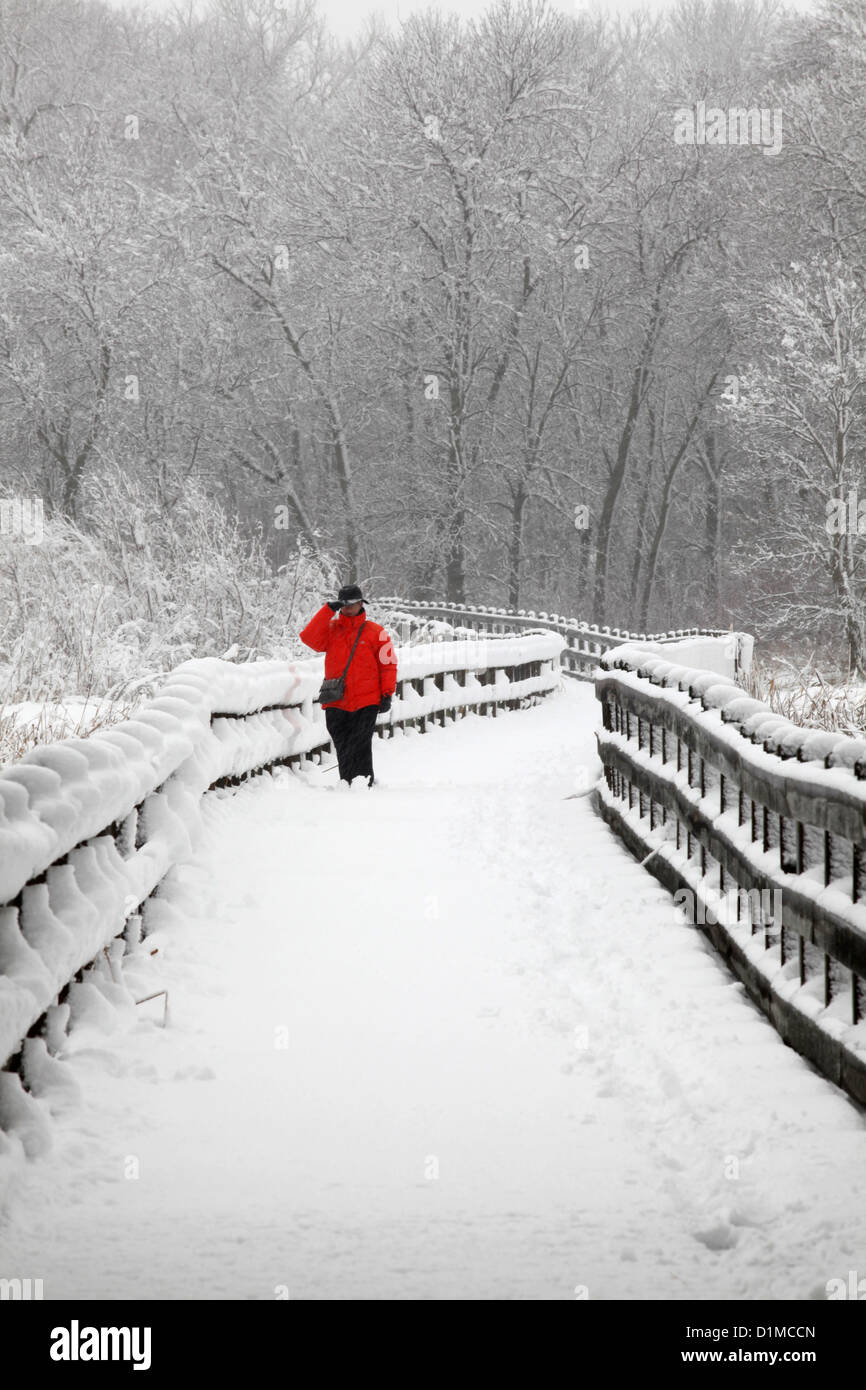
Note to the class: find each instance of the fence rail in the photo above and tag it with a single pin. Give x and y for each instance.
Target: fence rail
(743, 809)
(89, 828)
(585, 643)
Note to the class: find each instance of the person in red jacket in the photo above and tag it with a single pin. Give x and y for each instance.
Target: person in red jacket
(370, 680)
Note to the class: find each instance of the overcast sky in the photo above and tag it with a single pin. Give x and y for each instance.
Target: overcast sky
(346, 16)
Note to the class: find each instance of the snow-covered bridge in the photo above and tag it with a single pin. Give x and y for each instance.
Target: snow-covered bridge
(442, 1038)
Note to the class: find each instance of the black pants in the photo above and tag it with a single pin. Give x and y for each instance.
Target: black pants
(352, 733)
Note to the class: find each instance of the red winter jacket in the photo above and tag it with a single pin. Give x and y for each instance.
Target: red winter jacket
(373, 672)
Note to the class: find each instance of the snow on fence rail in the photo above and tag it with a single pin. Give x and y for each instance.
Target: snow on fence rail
(585, 643)
(89, 827)
(744, 810)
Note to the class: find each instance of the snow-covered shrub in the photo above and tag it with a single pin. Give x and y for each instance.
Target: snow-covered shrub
(106, 607)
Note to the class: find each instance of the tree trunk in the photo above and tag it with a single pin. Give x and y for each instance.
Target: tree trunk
(515, 549)
(455, 558)
(712, 531)
(615, 482)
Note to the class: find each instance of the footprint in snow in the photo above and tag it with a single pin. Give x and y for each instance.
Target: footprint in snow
(721, 1237)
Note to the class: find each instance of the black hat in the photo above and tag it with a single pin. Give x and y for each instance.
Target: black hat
(350, 593)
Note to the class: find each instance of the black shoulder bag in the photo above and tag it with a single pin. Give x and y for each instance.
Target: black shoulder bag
(332, 688)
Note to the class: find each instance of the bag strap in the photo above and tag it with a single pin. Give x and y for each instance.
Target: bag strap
(354, 645)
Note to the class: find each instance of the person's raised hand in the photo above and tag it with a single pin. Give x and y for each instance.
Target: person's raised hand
(334, 604)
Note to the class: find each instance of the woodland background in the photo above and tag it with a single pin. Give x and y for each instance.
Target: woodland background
(279, 312)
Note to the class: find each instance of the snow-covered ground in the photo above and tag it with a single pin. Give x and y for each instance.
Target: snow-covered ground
(439, 1039)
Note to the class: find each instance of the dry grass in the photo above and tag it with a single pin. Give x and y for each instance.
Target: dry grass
(51, 725)
(806, 697)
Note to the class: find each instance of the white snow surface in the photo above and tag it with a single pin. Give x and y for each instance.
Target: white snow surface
(163, 760)
(510, 1071)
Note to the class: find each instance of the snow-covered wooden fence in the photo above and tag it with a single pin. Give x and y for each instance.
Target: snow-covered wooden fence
(90, 827)
(584, 643)
(759, 828)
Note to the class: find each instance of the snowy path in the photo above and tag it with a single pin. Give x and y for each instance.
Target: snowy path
(510, 1070)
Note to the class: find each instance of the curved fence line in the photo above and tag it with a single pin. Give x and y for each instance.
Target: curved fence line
(759, 828)
(585, 643)
(89, 827)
